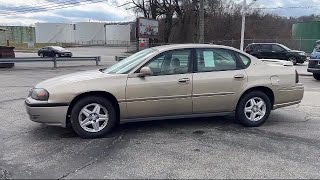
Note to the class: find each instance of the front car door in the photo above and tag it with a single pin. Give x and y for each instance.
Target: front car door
(278, 52)
(218, 81)
(165, 93)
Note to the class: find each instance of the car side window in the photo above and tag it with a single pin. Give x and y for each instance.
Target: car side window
(215, 60)
(277, 48)
(170, 62)
(245, 60)
(265, 47)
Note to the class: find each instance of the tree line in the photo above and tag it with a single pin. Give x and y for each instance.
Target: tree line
(178, 20)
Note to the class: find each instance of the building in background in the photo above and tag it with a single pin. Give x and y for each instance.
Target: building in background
(17, 34)
(120, 32)
(54, 32)
(307, 33)
(2, 36)
(87, 33)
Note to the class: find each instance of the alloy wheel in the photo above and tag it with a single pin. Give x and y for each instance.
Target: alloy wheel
(293, 60)
(93, 117)
(255, 109)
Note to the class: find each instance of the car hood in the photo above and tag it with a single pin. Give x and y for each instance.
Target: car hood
(315, 55)
(296, 51)
(74, 78)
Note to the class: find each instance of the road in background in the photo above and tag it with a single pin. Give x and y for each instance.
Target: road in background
(286, 146)
(107, 57)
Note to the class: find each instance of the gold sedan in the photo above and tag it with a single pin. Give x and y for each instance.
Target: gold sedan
(174, 81)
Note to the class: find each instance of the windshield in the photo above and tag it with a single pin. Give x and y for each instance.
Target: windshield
(126, 65)
(285, 47)
(58, 48)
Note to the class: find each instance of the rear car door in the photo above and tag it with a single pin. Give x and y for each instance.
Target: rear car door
(218, 81)
(265, 51)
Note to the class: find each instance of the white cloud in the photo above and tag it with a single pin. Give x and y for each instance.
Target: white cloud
(102, 11)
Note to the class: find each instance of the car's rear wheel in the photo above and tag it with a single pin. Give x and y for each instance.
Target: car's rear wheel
(316, 76)
(293, 60)
(93, 117)
(253, 109)
(57, 55)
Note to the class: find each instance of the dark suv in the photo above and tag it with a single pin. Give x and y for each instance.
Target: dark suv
(276, 51)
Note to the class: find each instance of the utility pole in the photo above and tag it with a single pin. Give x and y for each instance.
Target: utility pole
(201, 22)
(243, 23)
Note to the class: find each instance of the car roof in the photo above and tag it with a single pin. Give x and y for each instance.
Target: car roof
(264, 43)
(182, 46)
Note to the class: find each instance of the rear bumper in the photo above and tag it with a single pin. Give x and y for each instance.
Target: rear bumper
(50, 115)
(288, 97)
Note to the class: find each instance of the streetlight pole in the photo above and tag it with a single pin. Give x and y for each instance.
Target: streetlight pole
(243, 23)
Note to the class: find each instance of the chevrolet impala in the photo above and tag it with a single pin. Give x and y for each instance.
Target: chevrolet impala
(172, 81)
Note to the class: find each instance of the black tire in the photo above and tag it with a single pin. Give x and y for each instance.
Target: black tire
(316, 76)
(41, 55)
(57, 55)
(112, 121)
(240, 111)
(293, 59)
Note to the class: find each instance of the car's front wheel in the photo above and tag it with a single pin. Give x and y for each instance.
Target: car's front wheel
(253, 109)
(41, 55)
(293, 60)
(93, 117)
(57, 55)
(316, 76)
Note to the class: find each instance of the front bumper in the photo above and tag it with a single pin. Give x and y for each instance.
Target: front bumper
(66, 55)
(302, 59)
(50, 114)
(314, 70)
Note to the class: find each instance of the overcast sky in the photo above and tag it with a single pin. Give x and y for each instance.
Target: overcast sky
(108, 11)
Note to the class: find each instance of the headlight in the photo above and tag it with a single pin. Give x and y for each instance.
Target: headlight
(39, 94)
(302, 53)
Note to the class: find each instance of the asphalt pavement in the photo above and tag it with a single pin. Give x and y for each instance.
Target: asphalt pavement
(286, 146)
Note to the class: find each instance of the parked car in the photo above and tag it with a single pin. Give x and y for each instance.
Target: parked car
(314, 62)
(54, 51)
(276, 51)
(173, 81)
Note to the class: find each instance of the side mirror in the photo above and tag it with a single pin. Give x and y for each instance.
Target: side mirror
(145, 71)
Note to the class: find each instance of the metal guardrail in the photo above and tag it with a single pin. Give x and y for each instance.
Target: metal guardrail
(119, 58)
(97, 59)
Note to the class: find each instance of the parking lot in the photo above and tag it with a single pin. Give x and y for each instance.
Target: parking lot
(286, 146)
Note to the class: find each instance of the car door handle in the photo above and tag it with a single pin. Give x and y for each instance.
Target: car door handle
(239, 76)
(184, 81)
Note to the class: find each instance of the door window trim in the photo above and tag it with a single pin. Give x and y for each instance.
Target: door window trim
(240, 65)
(190, 61)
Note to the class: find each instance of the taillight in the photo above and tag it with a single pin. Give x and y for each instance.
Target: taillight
(297, 77)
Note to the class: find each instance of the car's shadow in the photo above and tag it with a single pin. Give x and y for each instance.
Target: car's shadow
(193, 124)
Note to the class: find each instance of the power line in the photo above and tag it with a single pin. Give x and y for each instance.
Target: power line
(52, 7)
(40, 5)
(48, 7)
(289, 7)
